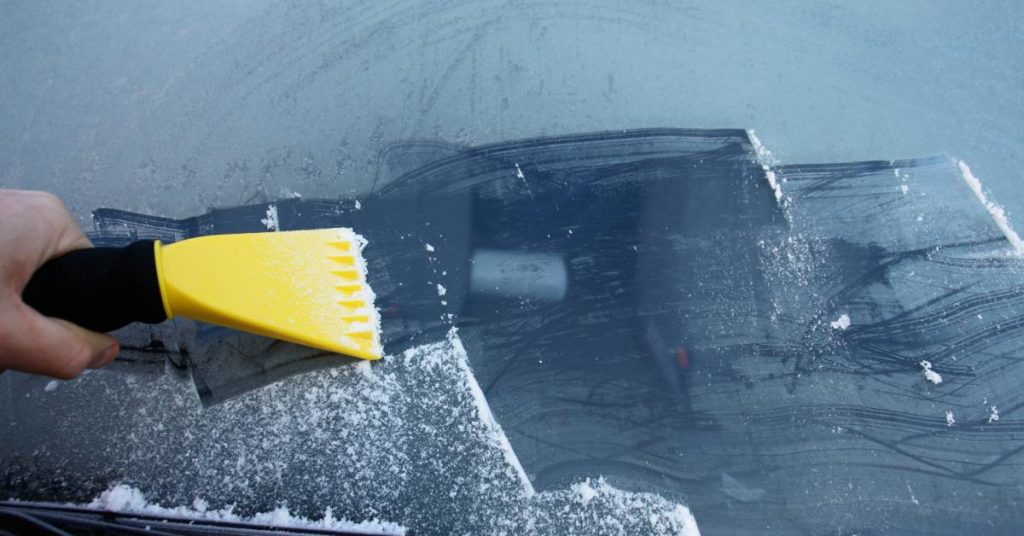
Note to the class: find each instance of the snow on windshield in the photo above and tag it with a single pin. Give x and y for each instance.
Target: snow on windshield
(409, 438)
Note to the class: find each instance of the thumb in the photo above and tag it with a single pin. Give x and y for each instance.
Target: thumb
(54, 347)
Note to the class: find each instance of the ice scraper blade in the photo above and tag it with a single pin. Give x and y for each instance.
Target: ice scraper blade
(305, 287)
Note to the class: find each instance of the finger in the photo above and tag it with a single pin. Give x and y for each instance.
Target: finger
(41, 345)
(105, 347)
(67, 235)
(44, 207)
(34, 228)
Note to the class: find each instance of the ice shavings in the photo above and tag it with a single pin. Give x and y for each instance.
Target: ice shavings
(51, 386)
(441, 291)
(993, 415)
(127, 499)
(410, 439)
(271, 221)
(997, 212)
(930, 374)
(326, 267)
(522, 177)
(587, 493)
(904, 187)
(601, 497)
(841, 323)
(364, 368)
(365, 293)
(429, 248)
(767, 161)
(913, 499)
(950, 420)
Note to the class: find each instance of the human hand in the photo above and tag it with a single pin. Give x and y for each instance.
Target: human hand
(34, 228)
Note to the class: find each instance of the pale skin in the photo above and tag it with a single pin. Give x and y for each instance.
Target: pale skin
(34, 228)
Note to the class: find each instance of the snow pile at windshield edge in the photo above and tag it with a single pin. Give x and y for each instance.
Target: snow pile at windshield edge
(124, 498)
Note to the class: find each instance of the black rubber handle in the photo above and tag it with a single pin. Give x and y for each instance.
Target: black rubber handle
(101, 289)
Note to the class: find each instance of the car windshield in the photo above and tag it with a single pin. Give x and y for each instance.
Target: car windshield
(602, 312)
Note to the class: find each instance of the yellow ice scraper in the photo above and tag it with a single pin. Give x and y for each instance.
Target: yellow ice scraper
(305, 287)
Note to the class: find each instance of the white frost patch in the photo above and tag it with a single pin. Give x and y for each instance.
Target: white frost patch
(483, 410)
(271, 221)
(441, 291)
(950, 421)
(411, 439)
(767, 161)
(997, 212)
(841, 323)
(993, 415)
(126, 499)
(429, 248)
(930, 374)
(52, 386)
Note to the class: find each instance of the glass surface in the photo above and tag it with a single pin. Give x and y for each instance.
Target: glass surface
(655, 317)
